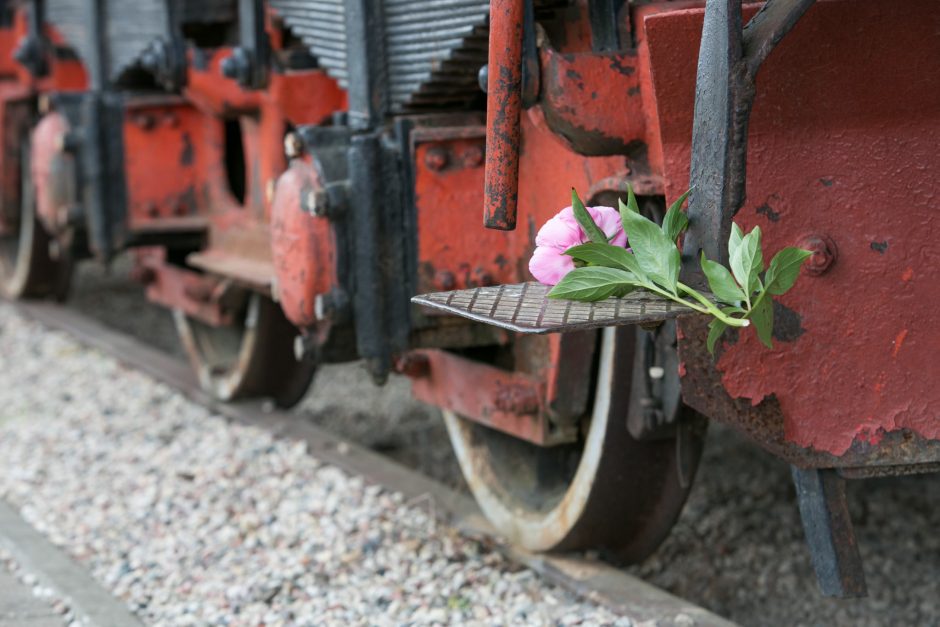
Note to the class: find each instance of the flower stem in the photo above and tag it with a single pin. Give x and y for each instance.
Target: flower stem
(709, 307)
(712, 308)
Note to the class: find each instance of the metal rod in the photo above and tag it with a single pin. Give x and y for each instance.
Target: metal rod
(503, 108)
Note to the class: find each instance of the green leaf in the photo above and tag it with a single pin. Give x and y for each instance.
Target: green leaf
(594, 233)
(721, 282)
(675, 219)
(735, 240)
(747, 261)
(657, 256)
(716, 329)
(631, 200)
(762, 317)
(606, 255)
(784, 269)
(594, 283)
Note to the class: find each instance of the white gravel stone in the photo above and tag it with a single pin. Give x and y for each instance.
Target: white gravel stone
(193, 520)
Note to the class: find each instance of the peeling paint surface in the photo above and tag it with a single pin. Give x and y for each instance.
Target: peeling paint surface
(858, 165)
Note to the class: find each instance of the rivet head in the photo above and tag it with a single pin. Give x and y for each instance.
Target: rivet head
(436, 159)
(824, 254)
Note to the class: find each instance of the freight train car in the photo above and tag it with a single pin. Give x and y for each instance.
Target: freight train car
(290, 173)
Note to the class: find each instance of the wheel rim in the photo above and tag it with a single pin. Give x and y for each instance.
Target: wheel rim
(252, 358)
(26, 266)
(610, 492)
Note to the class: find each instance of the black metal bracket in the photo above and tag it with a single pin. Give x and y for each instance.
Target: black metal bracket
(249, 62)
(829, 534)
(31, 50)
(729, 59)
(166, 58)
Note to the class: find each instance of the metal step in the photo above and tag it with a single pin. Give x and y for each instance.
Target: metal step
(526, 308)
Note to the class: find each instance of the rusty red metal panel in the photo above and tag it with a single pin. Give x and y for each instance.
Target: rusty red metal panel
(831, 159)
(172, 157)
(593, 101)
(303, 244)
(507, 401)
(199, 296)
(52, 170)
(503, 108)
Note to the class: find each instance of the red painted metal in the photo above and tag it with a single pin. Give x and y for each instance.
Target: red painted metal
(508, 401)
(197, 295)
(52, 172)
(854, 362)
(304, 247)
(503, 108)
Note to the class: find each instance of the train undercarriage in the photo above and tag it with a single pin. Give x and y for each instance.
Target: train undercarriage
(289, 174)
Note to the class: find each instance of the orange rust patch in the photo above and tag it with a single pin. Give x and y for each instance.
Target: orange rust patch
(907, 275)
(898, 342)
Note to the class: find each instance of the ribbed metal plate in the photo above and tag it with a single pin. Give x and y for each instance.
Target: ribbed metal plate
(526, 308)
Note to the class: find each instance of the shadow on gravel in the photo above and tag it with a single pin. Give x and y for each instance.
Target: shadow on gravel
(738, 547)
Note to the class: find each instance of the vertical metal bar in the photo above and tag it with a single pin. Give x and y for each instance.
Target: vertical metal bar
(719, 133)
(821, 496)
(366, 63)
(503, 108)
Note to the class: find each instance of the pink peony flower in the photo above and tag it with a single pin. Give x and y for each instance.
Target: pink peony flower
(549, 263)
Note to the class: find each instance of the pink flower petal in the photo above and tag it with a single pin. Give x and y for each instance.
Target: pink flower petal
(548, 265)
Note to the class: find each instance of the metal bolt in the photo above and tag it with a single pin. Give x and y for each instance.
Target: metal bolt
(413, 365)
(144, 121)
(517, 399)
(472, 157)
(483, 77)
(293, 145)
(170, 119)
(436, 158)
(824, 254)
(315, 202)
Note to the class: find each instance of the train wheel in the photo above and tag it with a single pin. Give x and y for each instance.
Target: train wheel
(252, 358)
(608, 492)
(32, 264)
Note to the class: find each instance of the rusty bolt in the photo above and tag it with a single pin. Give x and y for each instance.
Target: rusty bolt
(413, 365)
(486, 279)
(517, 399)
(824, 254)
(293, 145)
(445, 280)
(436, 158)
(144, 121)
(472, 157)
(152, 210)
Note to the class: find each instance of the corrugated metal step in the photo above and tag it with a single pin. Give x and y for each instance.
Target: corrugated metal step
(526, 308)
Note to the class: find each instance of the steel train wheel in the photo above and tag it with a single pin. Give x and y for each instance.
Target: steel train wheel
(609, 492)
(27, 267)
(252, 358)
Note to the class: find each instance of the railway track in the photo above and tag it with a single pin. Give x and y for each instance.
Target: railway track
(592, 579)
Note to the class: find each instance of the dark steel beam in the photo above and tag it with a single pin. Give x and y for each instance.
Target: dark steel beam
(820, 494)
(729, 58)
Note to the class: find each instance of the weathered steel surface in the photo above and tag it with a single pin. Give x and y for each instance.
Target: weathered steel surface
(825, 151)
(526, 308)
(503, 108)
(829, 532)
(303, 245)
(511, 402)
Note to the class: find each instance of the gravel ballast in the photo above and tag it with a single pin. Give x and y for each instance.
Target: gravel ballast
(738, 547)
(193, 520)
